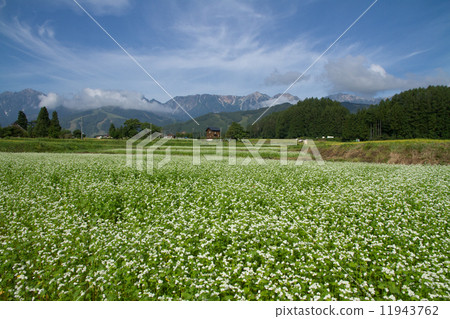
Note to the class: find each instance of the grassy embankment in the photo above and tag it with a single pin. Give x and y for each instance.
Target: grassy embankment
(47, 145)
(417, 151)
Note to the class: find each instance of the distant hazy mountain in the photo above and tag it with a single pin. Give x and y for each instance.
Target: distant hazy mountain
(201, 104)
(343, 97)
(222, 120)
(13, 102)
(97, 121)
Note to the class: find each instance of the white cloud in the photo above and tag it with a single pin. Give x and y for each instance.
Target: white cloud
(221, 50)
(39, 43)
(285, 98)
(94, 98)
(2, 4)
(378, 69)
(286, 79)
(353, 74)
(46, 31)
(232, 61)
(50, 100)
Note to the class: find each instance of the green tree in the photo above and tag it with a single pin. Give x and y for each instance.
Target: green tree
(66, 134)
(55, 128)
(42, 123)
(13, 131)
(31, 126)
(152, 127)
(131, 127)
(22, 120)
(184, 134)
(113, 132)
(77, 133)
(236, 131)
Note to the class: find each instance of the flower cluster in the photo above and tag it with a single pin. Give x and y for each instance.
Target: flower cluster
(85, 227)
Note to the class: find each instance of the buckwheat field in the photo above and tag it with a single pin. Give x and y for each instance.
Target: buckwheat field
(86, 227)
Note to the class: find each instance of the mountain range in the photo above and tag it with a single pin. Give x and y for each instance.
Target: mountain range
(12, 102)
(97, 120)
(222, 120)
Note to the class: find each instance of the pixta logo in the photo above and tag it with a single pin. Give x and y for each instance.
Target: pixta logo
(141, 148)
(143, 139)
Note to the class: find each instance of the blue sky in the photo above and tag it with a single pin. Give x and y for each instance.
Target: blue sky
(222, 47)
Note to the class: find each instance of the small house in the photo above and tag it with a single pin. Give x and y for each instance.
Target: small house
(100, 137)
(212, 133)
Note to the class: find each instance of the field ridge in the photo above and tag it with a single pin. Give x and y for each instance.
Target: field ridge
(412, 151)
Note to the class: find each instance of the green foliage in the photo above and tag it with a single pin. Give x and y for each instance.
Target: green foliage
(184, 135)
(13, 131)
(236, 131)
(66, 134)
(417, 113)
(309, 118)
(113, 132)
(18, 129)
(30, 130)
(55, 128)
(70, 145)
(130, 128)
(42, 127)
(42, 123)
(22, 120)
(77, 133)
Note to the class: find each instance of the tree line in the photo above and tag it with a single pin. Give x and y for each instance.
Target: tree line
(130, 128)
(44, 126)
(416, 113)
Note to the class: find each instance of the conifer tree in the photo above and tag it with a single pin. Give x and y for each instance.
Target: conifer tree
(22, 120)
(55, 128)
(112, 131)
(42, 123)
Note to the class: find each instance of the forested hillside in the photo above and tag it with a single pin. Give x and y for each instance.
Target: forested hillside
(311, 117)
(417, 113)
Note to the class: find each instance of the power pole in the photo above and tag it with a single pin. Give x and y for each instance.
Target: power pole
(81, 128)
